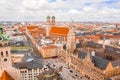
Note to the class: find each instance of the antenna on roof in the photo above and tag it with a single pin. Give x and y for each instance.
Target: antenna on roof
(72, 20)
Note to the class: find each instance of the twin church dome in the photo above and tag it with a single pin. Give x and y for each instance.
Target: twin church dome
(48, 17)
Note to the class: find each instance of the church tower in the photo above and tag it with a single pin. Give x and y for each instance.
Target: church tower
(48, 25)
(70, 44)
(5, 56)
(53, 20)
(48, 20)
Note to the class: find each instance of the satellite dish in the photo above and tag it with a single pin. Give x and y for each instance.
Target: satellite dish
(1, 38)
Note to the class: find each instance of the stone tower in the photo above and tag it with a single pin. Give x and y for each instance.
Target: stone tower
(70, 45)
(48, 26)
(5, 57)
(48, 20)
(53, 20)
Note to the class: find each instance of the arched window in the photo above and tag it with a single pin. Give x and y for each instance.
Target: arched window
(6, 53)
(2, 54)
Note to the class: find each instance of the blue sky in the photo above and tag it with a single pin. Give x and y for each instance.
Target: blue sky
(64, 10)
(52, 0)
(111, 1)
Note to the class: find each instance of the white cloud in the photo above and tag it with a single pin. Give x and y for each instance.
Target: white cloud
(79, 10)
(73, 11)
(36, 4)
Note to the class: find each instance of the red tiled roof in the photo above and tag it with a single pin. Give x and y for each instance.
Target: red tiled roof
(22, 29)
(59, 31)
(37, 32)
(109, 36)
(6, 76)
(31, 27)
(49, 47)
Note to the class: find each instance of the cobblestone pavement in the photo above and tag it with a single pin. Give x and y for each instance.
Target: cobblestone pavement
(66, 72)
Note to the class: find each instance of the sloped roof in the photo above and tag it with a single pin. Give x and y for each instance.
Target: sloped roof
(38, 31)
(116, 63)
(100, 62)
(31, 27)
(33, 64)
(22, 29)
(49, 47)
(112, 51)
(59, 31)
(82, 54)
(94, 45)
(6, 76)
(108, 36)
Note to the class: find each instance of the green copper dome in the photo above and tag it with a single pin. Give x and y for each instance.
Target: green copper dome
(1, 27)
(3, 37)
(53, 17)
(48, 17)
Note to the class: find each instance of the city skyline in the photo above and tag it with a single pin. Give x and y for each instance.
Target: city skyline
(64, 10)
(51, 50)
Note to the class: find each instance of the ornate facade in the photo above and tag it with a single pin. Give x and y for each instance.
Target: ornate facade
(48, 25)
(5, 60)
(53, 20)
(92, 66)
(50, 22)
(84, 61)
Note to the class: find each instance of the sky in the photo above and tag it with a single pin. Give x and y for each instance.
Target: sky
(63, 10)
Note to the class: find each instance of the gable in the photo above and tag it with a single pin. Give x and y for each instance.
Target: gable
(6, 76)
(109, 67)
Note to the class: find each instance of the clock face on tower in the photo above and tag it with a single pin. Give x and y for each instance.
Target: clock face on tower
(1, 38)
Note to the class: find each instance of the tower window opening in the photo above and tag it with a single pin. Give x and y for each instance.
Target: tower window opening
(0, 45)
(6, 53)
(2, 54)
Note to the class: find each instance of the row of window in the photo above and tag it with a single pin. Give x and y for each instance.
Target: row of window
(2, 54)
(29, 71)
(27, 75)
